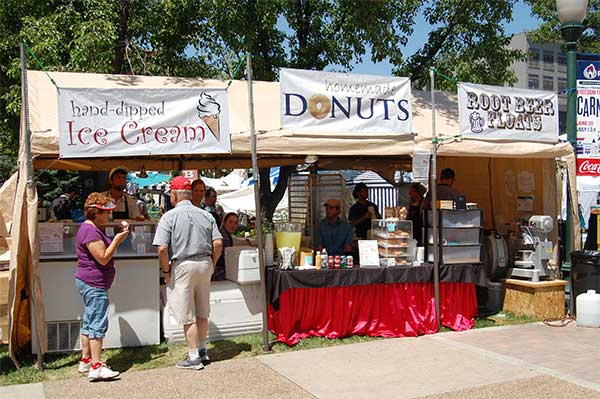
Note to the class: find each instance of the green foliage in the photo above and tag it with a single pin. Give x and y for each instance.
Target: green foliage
(549, 30)
(208, 38)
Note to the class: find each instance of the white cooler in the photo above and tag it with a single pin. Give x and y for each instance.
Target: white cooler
(241, 264)
(234, 310)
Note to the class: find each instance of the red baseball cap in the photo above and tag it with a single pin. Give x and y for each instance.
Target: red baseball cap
(180, 183)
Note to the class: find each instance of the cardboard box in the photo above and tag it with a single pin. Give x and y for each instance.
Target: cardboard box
(4, 331)
(4, 287)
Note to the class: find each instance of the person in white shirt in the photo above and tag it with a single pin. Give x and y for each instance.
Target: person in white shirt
(126, 204)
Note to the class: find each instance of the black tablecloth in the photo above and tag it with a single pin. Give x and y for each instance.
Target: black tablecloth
(278, 281)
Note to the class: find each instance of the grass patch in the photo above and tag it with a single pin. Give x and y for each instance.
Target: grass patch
(62, 366)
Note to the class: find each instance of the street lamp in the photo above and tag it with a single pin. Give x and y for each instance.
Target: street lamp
(571, 14)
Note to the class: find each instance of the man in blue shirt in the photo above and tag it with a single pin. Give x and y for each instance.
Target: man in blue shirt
(334, 234)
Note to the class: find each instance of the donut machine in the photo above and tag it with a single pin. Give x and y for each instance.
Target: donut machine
(537, 250)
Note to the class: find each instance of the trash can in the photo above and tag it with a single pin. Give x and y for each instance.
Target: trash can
(585, 273)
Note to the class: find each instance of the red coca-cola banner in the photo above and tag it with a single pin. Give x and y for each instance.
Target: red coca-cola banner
(588, 167)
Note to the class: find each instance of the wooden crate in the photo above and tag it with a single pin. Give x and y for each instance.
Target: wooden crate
(541, 300)
(4, 287)
(3, 331)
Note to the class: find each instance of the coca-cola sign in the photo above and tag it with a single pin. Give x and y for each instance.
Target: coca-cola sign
(588, 167)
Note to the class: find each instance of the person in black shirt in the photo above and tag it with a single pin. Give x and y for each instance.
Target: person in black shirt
(362, 211)
(62, 206)
(415, 211)
(210, 204)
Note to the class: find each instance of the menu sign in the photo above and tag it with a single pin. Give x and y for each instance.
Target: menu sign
(125, 122)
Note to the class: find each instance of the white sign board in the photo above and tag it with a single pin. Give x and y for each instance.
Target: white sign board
(339, 102)
(128, 122)
(495, 112)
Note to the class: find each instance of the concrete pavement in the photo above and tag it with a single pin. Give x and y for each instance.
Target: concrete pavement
(526, 362)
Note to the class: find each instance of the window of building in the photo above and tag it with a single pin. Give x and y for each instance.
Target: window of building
(548, 83)
(533, 81)
(549, 60)
(562, 84)
(562, 62)
(534, 58)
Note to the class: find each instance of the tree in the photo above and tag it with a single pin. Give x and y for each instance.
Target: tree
(549, 30)
(208, 38)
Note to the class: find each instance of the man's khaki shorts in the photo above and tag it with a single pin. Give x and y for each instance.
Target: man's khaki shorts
(188, 292)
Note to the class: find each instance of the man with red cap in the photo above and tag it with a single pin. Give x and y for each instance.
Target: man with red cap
(189, 245)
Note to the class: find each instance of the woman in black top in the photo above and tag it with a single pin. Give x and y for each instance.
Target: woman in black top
(415, 212)
(362, 211)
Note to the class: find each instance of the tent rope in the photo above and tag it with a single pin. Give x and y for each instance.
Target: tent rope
(237, 70)
(448, 78)
(39, 63)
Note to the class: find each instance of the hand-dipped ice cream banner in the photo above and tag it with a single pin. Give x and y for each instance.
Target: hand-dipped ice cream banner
(338, 102)
(127, 122)
(588, 115)
(496, 112)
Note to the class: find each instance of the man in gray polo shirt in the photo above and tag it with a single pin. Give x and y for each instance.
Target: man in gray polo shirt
(189, 245)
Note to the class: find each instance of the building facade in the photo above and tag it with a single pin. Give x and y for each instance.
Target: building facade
(545, 69)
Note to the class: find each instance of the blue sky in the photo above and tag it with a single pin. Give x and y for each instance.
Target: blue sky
(522, 21)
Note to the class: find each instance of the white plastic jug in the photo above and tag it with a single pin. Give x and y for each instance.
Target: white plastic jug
(588, 309)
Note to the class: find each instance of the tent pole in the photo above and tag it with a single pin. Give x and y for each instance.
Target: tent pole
(434, 210)
(29, 175)
(259, 232)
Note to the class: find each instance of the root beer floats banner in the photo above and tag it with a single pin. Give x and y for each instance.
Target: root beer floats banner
(338, 102)
(128, 122)
(495, 112)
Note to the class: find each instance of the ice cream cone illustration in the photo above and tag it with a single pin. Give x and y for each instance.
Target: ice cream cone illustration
(212, 121)
(209, 111)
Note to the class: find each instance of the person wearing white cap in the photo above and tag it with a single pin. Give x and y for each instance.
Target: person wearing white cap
(126, 204)
(334, 234)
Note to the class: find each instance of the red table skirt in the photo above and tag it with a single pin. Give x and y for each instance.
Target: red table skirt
(378, 310)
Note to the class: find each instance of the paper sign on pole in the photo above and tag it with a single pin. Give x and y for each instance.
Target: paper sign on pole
(588, 115)
(338, 102)
(495, 112)
(128, 122)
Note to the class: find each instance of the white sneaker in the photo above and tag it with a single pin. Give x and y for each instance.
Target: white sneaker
(84, 367)
(102, 373)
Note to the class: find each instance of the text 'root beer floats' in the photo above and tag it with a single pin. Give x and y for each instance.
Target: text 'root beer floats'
(117, 122)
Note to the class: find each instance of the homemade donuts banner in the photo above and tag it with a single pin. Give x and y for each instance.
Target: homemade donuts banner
(339, 102)
(127, 122)
(495, 112)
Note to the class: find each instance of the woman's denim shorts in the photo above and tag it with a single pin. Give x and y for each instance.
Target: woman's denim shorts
(95, 310)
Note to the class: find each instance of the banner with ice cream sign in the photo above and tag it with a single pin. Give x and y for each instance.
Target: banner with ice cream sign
(496, 112)
(129, 122)
(588, 115)
(339, 102)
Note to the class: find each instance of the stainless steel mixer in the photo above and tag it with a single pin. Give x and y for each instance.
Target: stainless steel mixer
(533, 262)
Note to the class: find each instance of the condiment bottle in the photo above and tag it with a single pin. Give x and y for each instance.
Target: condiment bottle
(318, 260)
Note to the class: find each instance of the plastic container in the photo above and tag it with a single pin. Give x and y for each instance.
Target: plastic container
(495, 297)
(289, 235)
(588, 309)
(462, 236)
(462, 254)
(585, 273)
(458, 218)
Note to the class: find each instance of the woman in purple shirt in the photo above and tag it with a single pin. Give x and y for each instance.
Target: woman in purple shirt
(94, 276)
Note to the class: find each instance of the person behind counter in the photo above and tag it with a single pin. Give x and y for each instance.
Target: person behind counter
(415, 211)
(126, 205)
(198, 192)
(362, 211)
(334, 234)
(230, 225)
(189, 245)
(94, 277)
(210, 204)
(445, 189)
(61, 207)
